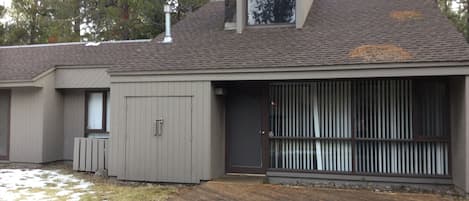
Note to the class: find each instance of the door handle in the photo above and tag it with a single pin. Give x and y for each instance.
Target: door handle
(159, 127)
(262, 132)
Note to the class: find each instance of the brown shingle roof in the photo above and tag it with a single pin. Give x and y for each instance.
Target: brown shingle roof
(333, 30)
(26, 62)
(336, 32)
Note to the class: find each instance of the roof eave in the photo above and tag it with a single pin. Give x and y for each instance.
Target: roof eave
(294, 68)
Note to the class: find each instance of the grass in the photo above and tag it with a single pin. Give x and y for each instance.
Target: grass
(117, 192)
(114, 190)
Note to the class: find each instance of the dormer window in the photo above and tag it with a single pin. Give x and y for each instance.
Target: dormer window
(271, 12)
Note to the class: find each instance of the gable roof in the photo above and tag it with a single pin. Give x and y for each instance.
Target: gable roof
(334, 31)
(27, 62)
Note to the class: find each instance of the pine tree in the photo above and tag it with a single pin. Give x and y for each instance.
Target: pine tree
(50, 21)
(2, 26)
(459, 16)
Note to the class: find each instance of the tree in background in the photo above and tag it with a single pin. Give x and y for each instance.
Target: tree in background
(2, 26)
(458, 12)
(122, 19)
(129, 19)
(50, 21)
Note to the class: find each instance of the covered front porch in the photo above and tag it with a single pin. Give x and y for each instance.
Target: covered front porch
(380, 129)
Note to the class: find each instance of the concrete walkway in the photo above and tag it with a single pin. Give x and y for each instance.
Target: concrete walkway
(226, 190)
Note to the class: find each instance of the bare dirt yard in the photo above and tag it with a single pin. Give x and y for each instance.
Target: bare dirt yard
(57, 182)
(228, 191)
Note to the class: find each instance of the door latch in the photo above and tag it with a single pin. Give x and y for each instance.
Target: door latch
(159, 127)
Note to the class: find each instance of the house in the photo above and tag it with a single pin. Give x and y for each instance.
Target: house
(357, 91)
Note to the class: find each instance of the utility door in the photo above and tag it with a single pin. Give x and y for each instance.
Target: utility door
(158, 144)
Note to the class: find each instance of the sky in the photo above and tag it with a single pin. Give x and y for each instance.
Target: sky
(5, 3)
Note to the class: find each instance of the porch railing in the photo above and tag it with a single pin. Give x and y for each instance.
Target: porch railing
(90, 154)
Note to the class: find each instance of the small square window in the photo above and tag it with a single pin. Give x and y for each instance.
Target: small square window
(271, 12)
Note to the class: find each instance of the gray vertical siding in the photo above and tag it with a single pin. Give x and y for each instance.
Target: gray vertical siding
(218, 134)
(37, 123)
(458, 131)
(81, 77)
(201, 130)
(52, 117)
(160, 152)
(74, 119)
(26, 125)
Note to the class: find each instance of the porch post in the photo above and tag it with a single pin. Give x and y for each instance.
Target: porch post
(459, 102)
(466, 135)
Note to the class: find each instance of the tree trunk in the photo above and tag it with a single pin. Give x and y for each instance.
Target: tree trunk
(77, 21)
(125, 20)
(33, 25)
(467, 20)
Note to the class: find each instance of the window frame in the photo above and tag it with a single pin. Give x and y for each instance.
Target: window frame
(103, 129)
(276, 25)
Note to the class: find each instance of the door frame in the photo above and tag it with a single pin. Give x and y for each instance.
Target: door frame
(7, 156)
(265, 127)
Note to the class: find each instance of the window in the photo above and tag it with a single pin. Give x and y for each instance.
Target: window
(97, 113)
(431, 109)
(271, 11)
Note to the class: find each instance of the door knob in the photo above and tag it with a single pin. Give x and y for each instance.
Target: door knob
(262, 132)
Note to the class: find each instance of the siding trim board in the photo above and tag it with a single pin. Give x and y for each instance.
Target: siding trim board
(293, 75)
(395, 66)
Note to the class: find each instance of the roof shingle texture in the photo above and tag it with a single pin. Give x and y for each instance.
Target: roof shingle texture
(333, 29)
(27, 62)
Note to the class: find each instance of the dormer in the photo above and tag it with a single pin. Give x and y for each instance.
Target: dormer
(240, 14)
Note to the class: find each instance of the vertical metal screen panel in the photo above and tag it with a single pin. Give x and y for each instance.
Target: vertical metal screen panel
(316, 124)
(306, 118)
(334, 117)
(384, 122)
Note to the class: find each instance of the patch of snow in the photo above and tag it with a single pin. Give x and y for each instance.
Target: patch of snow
(63, 193)
(33, 184)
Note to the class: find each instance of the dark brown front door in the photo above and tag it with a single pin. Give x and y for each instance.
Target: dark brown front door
(246, 123)
(4, 124)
